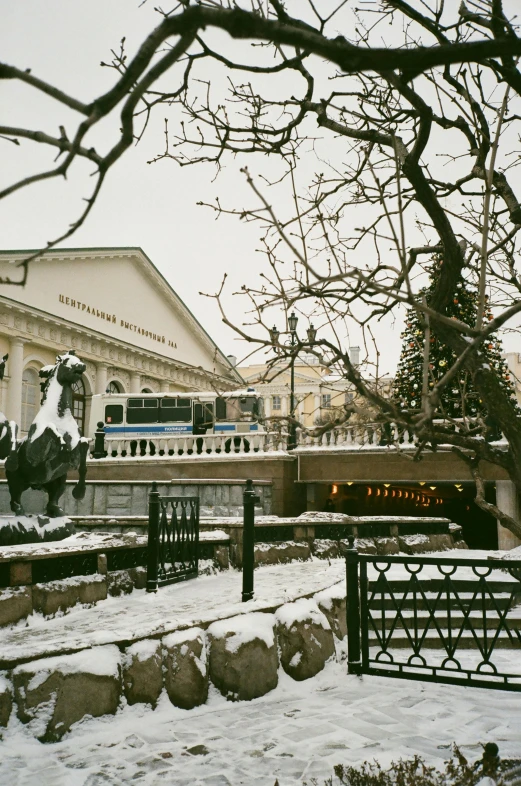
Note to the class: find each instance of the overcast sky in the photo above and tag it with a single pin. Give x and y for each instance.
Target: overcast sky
(151, 206)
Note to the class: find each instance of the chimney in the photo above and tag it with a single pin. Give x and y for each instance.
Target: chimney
(232, 359)
(354, 355)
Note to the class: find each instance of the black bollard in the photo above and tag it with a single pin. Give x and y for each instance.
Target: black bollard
(99, 442)
(352, 608)
(154, 507)
(249, 499)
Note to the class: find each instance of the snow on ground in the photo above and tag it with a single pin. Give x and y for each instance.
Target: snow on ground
(296, 733)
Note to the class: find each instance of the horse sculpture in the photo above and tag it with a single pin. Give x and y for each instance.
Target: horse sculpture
(53, 444)
(8, 429)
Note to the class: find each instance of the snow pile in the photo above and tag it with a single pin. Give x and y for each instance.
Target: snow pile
(142, 650)
(102, 661)
(327, 597)
(216, 534)
(243, 629)
(414, 540)
(300, 611)
(180, 636)
(15, 530)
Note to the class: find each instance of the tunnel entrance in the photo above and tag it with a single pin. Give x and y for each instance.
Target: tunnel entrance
(454, 501)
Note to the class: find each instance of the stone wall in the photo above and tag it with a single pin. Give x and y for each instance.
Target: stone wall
(241, 656)
(121, 499)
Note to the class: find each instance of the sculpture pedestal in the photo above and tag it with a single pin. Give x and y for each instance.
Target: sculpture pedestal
(33, 529)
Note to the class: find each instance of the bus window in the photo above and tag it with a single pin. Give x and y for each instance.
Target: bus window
(142, 410)
(114, 414)
(235, 409)
(175, 410)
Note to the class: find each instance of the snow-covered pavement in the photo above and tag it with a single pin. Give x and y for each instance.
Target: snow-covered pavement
(296, 733)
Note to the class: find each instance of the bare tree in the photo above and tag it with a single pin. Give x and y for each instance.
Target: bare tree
(402, 118)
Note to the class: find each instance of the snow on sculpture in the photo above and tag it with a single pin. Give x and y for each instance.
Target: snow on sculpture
(54, 444)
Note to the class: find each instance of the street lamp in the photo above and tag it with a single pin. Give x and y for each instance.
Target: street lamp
(274, 338)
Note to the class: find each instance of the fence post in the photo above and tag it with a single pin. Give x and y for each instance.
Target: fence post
(154, 507)
(249, 499)
(99, 441)
(352, 608)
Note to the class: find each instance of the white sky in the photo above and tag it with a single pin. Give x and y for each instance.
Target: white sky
(152, 206)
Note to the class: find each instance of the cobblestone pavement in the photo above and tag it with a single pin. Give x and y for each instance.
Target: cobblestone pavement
(295, 734)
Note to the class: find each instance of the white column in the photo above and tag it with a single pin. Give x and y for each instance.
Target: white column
(267, 407)
(507, 501)
(135, 382)
(101, 377)
(316, 405)
(15, 365)
(284, 403)
(164, 386)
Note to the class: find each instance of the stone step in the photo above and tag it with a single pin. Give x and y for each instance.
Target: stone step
(466, 600)
(467, 640)
(457, 619)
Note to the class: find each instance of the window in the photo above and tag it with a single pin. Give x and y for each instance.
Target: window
(142, 410)
(30, 397)
(277, 404)
(114, 387)
(147, 390)
(325, 401)
(175, 410)
(237, 408)
(78, 404)
(114, 414)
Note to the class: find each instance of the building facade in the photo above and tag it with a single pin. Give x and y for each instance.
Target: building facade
(121, 316)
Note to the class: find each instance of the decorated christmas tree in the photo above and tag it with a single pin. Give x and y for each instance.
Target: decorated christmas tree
(459, 398)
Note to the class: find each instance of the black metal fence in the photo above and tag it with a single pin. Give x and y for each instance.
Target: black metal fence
(441, 619)
(173, 539)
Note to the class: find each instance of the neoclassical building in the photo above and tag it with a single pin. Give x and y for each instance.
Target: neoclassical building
(121, 316)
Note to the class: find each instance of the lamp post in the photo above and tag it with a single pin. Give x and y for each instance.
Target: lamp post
(293, 341)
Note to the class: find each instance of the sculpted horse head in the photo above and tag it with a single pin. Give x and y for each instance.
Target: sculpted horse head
(54, 443)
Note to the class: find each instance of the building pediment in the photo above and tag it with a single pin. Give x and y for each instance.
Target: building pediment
(116, 292)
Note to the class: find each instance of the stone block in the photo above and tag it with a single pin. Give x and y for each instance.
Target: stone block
(332, 603)
(305, 639)
(441, 542)
(119, 583)
(54, 596)
(325, 549)
(100, 500)
(186, 668)
(206, 512)
(277, 553)
(93, 589)
(16, 604)
(364, 545)
(20, 574)
(53, 693)
(243, 658)
(119, 504)
(221, 510)
(142, 672)
(102, 564)
(207, 496)
(119, 490)
(139, 504)
(222, 496)
(221, 555)
(85, 505)
(6, 701)
(385, 546)
(138, 577)
(235, 498)
(415, 544)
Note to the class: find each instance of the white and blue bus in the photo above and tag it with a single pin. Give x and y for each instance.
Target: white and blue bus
(157, 419)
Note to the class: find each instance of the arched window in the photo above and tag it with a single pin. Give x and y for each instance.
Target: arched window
(147, 390)
(78, 404)
(30, 397)
(114, 387)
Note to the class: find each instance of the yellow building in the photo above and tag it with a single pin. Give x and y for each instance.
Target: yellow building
(318, 393)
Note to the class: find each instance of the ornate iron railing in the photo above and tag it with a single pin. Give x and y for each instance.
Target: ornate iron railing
(173, 539)
(441, 619)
